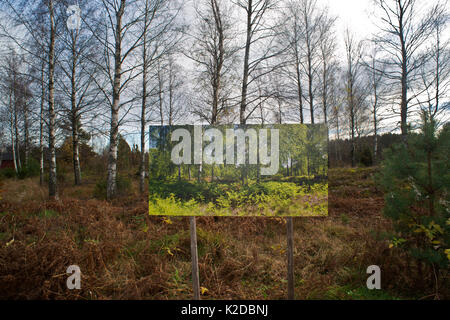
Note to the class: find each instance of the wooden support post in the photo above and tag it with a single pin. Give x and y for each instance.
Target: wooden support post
(290, 258)
(194, 255)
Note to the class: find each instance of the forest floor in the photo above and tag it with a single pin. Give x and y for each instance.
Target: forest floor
(124, 253)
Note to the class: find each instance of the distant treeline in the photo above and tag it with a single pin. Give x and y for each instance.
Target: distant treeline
(339, 151)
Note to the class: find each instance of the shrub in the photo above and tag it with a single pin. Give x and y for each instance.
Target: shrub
(30, 170)
(415, 177)
(7, 173)
(365, 157)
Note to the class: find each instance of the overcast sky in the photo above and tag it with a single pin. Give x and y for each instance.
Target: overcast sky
(354, 14)
(358, 15)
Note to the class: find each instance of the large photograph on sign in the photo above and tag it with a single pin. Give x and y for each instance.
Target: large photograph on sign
(235, 170)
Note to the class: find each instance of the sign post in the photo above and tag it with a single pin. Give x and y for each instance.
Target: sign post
(290, 256)
(194, 255)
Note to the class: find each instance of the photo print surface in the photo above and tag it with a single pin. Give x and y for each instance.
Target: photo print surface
(235, 170)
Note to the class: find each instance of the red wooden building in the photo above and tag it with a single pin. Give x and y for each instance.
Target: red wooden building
(6, 160)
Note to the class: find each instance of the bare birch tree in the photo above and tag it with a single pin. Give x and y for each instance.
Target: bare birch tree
(40, 24)
(435, 74)
(120, 38)
(160, 36)
(258, 30)
(76, 81)
(378, 91)
(403, 34)
(352, 77)
(293, 35)
(214, 53)
(327, 53)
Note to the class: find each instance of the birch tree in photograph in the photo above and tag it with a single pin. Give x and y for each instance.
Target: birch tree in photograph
(404, 30)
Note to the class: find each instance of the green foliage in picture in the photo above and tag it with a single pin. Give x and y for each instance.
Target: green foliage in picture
(239, 183)
(266, 198)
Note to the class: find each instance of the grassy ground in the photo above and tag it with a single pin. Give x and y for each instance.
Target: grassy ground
(124, 253)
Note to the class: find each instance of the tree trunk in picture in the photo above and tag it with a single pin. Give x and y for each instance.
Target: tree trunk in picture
(199, 173)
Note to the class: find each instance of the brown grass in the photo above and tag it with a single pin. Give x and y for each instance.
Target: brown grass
(125, 254)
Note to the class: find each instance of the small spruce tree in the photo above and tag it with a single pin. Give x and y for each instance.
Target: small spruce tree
(415, 178)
